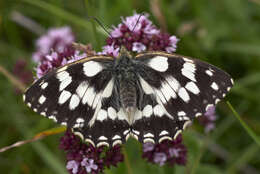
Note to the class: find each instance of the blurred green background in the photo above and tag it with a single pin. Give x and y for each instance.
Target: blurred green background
(225, 33)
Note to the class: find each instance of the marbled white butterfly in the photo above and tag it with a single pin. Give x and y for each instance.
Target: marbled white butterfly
(151, 96)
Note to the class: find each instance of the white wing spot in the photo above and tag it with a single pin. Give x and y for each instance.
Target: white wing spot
(44, 85)
(138, 114)
(79, 123)
(102, 144)
(159, 63)
(164, 132)
(74, 102)
(184, 95)
(91, 68)
(161, 96)
(43, 114)
(217, 100)
(42, 99)
(209, 72)
(109, 89)
(168, 91)
(148, 135)
(181, 113)
(116, 137)
(188, 71)
(53, 118)
(29, 105)
(64, 96)
(81, 89)
(149, 140)
(117, 142)
(175, 85)
(121, 115)
(187, 60)
(102, 115)
(158, 110)
(214, 86)
(146, 87)
(96, 101)
(232, 81)
(65, 83)
(176, 134)
(186, 124)
(208, 106)
(192, 87)
(102, 138)
(148, 110)
(111, 113)
(89, 96)
(62, 75)
(198, 114)
(79, 134)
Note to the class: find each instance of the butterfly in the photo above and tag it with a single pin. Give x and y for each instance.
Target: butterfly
(151, 96)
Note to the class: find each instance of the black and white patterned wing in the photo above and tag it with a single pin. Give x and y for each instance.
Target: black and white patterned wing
(76, 95)
(179, 89)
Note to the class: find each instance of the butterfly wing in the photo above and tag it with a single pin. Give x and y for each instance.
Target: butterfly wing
(78, 95)
(180, 89)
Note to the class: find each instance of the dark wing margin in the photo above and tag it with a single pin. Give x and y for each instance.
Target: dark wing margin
(73, 94)
(184, 87)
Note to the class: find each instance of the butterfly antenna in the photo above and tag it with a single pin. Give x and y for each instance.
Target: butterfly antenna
(142, 14)
(101, 25)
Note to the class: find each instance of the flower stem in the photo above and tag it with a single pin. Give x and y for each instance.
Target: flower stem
(247, 128)
(17, 83)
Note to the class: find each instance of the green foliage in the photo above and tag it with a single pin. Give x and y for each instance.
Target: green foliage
(224, 33)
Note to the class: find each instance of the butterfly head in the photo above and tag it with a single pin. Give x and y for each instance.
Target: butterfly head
(124, 53)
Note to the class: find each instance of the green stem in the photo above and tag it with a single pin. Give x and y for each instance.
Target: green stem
(248, 129)
(129, 169)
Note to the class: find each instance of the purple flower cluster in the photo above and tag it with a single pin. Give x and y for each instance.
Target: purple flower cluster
(138, 37)
(55, 49)
(208, 119)
(170, 152)
(83, 158)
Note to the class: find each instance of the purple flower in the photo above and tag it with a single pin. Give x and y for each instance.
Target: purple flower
(73, 166)
(160, 158)
(110, 50)
(89, 164)
(88, 159)
(170, 152)
(138, 47)
(208, 120)
(148, 147)
(56, 39)
(144, 37)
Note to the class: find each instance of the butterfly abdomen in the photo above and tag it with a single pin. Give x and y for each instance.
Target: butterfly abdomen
(127, 94)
